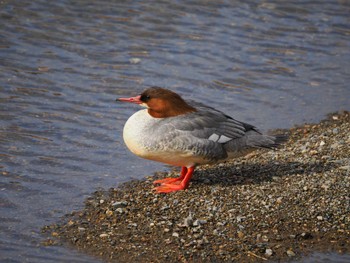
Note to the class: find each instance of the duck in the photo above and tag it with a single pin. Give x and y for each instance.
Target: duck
(187, 133)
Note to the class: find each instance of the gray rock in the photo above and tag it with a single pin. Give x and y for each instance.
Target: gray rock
(188, 222)
(290, 253)
(268, 252)
(120, 204)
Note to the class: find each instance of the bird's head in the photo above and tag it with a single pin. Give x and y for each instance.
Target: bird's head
(161, 103)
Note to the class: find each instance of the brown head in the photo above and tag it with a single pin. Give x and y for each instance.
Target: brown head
(161, 103)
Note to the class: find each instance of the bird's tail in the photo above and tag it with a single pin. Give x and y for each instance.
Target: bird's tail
(252, 140)
(266, 141)
(280, 139)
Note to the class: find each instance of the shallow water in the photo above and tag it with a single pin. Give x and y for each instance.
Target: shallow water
(63, 63)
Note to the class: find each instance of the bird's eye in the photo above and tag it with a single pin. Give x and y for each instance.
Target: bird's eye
(145, 97)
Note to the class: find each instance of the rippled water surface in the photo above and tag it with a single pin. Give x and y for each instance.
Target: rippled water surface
(63, 63)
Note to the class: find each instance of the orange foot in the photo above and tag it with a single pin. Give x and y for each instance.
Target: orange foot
(167, 188)
(168, 185)
(168, 180)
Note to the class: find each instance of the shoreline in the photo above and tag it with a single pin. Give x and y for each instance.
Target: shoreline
(266, 206)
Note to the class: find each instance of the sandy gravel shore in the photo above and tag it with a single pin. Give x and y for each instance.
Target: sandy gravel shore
(268, 206)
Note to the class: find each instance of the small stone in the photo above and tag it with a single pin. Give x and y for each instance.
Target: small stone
(335, 131)
(196, 229)
(175, 234)
(240, 218)
(303, 149)
(345, 167)
(319, 218)
(120, 204)
(264, 239)
(335, 146)
(322, 143)
(279, 200)
(279, 238)
(268, 252)
(276, 178)
(104, 235)
(290, 253)
(202, 221)
(188, 222)
(102, 201)
(109, 212)
(166, 207)
(313, 152)
(120, 210)
(240, 234)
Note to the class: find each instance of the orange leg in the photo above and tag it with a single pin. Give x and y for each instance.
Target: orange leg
(173, 180)
(168, 185)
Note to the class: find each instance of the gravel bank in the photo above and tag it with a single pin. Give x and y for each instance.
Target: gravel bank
(270, 205)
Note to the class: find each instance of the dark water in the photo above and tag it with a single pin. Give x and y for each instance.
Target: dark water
(63, 63)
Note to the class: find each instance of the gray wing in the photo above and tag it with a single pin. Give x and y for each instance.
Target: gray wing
(218, 126)
(204, 133)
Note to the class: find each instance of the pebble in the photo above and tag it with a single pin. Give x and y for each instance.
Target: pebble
(345, 167)
(240, 234)
(120, 210)
(188, 221)
(199, 222)
(313, 152)
(244, 206)
(120, 204)
(335, 146)
(290, 253)
(268, 252)
(109, 212)
(240, 218)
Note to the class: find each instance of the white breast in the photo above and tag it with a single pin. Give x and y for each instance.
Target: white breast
(135, 132)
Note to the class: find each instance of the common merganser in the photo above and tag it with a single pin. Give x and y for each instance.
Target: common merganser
(187, 133)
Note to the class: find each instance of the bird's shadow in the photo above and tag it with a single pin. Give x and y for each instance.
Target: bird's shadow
(252, 173)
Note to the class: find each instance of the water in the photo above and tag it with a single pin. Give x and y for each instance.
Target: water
(63, 63)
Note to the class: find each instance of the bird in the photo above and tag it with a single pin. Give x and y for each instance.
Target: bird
(187, 133)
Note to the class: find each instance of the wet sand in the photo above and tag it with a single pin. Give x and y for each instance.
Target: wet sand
(267, 206)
